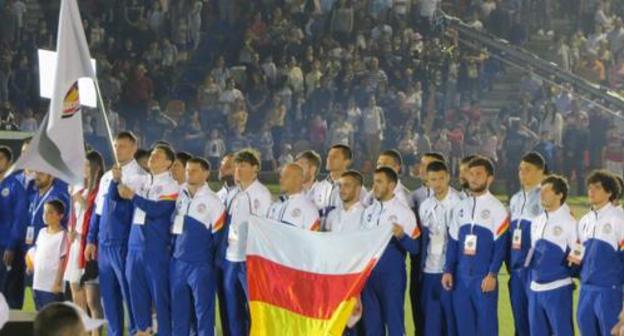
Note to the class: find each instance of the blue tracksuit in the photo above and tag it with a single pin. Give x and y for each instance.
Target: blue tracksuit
(13, 219)
(198, 220)
(524, 206)
(109, 229)
(550, 300)
(383, 297)
(485, 218)
(435, 217)
(602, 270)
(147, 265)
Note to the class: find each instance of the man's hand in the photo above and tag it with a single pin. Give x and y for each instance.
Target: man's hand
(489, 283)
(447, 281)
(125, 192)
(397, 231)
(90, 252)
(116, 173)
(57, 288)
(573, 261)
(8, 257)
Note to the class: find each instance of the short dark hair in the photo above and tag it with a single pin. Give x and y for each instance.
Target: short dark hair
(466, 159)
(607, 181)
(56, 319)
(169, 153)
(535, 159)
(482, 161)
(437, 156)
(620, 182)
(394, 154)
(355, 175)
(128, 135)
(57, 205)
(389, 172)
(248, 156)
(311, 156)
(7, 152)
(346, 150)
(559, 184)
(183, 157)
(437, 166)
(200, 161)
(141, 153)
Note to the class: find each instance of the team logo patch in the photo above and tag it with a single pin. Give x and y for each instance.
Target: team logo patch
(158, 189)
(71, 104)
(5, 192)
(536, 209)
(296, 213)
(393, 219)
(256, 204)
(201, 208)
(606, 229)
(485, 214)
(557, 231)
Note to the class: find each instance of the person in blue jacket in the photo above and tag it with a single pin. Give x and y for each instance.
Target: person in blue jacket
(475, 253)
(198, 219)
(524, 207)
(383, 297)
(153, 197)
(109, 230)
(13, 219)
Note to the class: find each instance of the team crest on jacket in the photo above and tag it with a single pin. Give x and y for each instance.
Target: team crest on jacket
(606, 229)
(296, 212)
(201, 208)
(485, 214)
(393, 219)
(5, 192)
(158, 189)
(557, 231)
(536, 209)
(71, 104)
(256, 204)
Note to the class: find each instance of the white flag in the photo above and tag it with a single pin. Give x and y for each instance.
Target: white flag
(58, 146)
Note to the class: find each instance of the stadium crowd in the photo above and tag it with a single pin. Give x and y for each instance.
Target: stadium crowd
(211, 77)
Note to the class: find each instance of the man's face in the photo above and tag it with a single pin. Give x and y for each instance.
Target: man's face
(479, 179)
(382, 187)
(291, 180)
(464, 174)
(424, 162)
(529, 174)
(309, 171)
(227, 167)
(244, 172)
(178, 171)
(336, 160)
(438, 181)
(158, 161)
(124, 149)
(349, 189)
(385, 160)
(596, 194)
(548, 197)
(195, 174)
(4, 163)
(42, 180)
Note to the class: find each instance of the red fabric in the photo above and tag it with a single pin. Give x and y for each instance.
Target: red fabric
(90, 201)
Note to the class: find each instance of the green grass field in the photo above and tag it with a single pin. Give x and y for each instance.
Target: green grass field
(505, 319)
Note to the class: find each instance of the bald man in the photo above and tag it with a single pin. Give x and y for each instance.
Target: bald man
(295, 209)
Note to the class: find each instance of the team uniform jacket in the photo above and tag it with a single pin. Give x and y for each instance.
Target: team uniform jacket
(296, 210)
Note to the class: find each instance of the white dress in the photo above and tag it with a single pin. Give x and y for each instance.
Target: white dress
(73, 272)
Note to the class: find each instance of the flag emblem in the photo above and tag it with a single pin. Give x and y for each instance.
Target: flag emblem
(71, 104)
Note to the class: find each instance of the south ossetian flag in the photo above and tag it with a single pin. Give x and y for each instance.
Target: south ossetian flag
(307, 283)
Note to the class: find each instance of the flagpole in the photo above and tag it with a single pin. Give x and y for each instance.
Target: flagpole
(109, 133)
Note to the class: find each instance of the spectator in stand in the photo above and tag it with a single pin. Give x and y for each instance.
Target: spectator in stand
(137, 94)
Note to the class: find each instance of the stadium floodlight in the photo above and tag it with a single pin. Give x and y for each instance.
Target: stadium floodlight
(47, 69)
